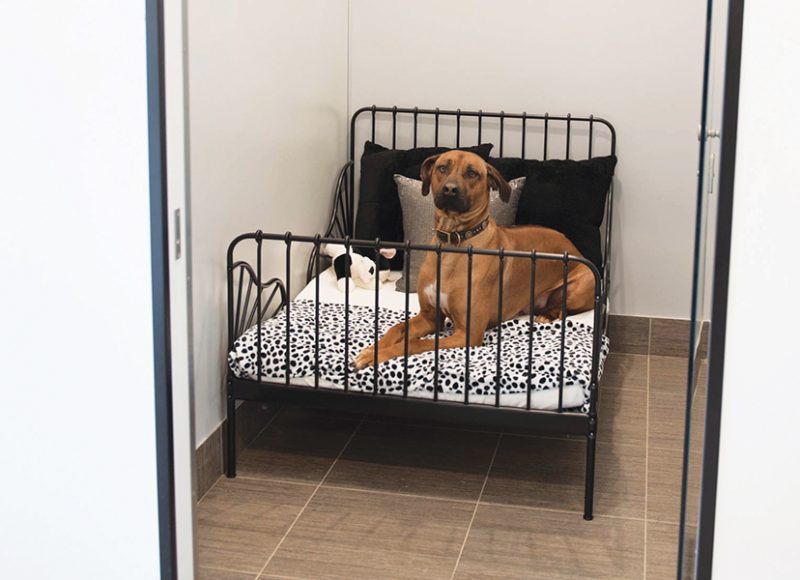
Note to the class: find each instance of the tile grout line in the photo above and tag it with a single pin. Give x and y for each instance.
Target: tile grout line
(218, 569)
(313, 493)
(560, 511)
(477, 505)
(647, 448)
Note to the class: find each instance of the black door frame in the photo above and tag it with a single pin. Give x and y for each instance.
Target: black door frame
(159, 239)
(719, 310)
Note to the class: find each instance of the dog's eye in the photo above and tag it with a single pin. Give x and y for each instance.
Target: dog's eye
(472, 173)
(442, 168)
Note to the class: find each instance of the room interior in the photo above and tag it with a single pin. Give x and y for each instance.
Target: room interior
(266, 118)
(100, 436)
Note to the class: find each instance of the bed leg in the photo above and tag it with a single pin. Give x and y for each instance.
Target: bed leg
(230, 438)
(591, 441)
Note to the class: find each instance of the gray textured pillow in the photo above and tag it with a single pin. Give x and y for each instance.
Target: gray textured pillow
(418, 216)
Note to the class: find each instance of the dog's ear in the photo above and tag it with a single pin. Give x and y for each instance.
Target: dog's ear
(496, 181)
(425, 173)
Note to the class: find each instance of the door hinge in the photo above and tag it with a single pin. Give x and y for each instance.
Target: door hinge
(178, 234)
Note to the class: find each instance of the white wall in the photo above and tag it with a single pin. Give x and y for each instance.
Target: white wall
(758, 507)
(268, 122)
(638, 64)
(78, 433)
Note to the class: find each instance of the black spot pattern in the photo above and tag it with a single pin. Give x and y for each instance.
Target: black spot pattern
(545, 349)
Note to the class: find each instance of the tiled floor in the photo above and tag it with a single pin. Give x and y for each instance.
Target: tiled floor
(322, 495)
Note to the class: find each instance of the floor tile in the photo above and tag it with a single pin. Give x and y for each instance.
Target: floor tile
(299, 445)
(550, 473)
(398, 457)
(669, 337)
(667, 393)
(622, 416)
(664, 471)
(240, 521)
(662, 551)
(624, 371)
(629, 334)
(215, 574)
(512, 543)
(352, 534)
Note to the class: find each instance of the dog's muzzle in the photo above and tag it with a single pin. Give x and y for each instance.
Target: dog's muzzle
(453, 203)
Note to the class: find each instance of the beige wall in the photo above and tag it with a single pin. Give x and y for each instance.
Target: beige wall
(268, 119)
(638, 64)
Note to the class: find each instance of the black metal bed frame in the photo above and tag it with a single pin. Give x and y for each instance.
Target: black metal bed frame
(251, 301)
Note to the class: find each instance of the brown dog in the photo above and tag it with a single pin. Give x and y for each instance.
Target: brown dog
(460, 182)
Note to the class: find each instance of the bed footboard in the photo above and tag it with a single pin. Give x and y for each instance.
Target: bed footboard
(252, 302)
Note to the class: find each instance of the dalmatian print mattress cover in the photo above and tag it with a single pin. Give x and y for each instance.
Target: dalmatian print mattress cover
(545, 350)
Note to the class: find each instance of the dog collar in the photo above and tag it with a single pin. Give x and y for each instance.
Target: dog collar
(456, 238)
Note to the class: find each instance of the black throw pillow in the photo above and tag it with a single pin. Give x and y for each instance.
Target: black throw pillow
(565, 195)
(379, 213)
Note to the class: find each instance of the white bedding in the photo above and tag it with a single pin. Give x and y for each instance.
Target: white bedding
(574, 392)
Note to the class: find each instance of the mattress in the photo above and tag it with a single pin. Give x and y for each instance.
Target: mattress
(544, 373)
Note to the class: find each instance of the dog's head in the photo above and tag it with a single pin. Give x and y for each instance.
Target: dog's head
(460, 182)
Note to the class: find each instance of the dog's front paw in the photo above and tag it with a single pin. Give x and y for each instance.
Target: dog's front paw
(365, 358)
(542, 319)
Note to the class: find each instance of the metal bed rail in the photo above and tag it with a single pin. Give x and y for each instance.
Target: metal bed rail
(239, 320)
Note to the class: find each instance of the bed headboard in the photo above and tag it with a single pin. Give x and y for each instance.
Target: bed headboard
(525, 135)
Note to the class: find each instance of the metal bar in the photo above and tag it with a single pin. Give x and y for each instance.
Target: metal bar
(591, 134)
(316, 314)
(487, 114)
(591, 443)
(427, 248)
(569, 132)
(563, 335)
(458, 128)
(436, 138)
(374, 108)
(377, 305)
(416, 119)
(438, 322)
(502, 124)
(239, 299)
(546, 127)
(531, 322)
(288, 305)
(248, 319)
(480, 125)
(394, 129)
(469, 323)
(269, 300)
(524, 133)
(347, 319)
(354, 401)
(406, 273)
(231, 436)
(259, 239)
(498, 376)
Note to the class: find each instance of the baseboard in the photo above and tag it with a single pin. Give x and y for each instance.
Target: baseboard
(648, 335)
(251, 418)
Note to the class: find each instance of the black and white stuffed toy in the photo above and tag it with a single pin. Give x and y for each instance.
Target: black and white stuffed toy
(360, 269)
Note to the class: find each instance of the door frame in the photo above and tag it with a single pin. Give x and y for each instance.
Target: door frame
(722, 252)
(160, 219)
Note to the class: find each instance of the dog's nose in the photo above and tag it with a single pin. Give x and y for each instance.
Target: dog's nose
(450, 189)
